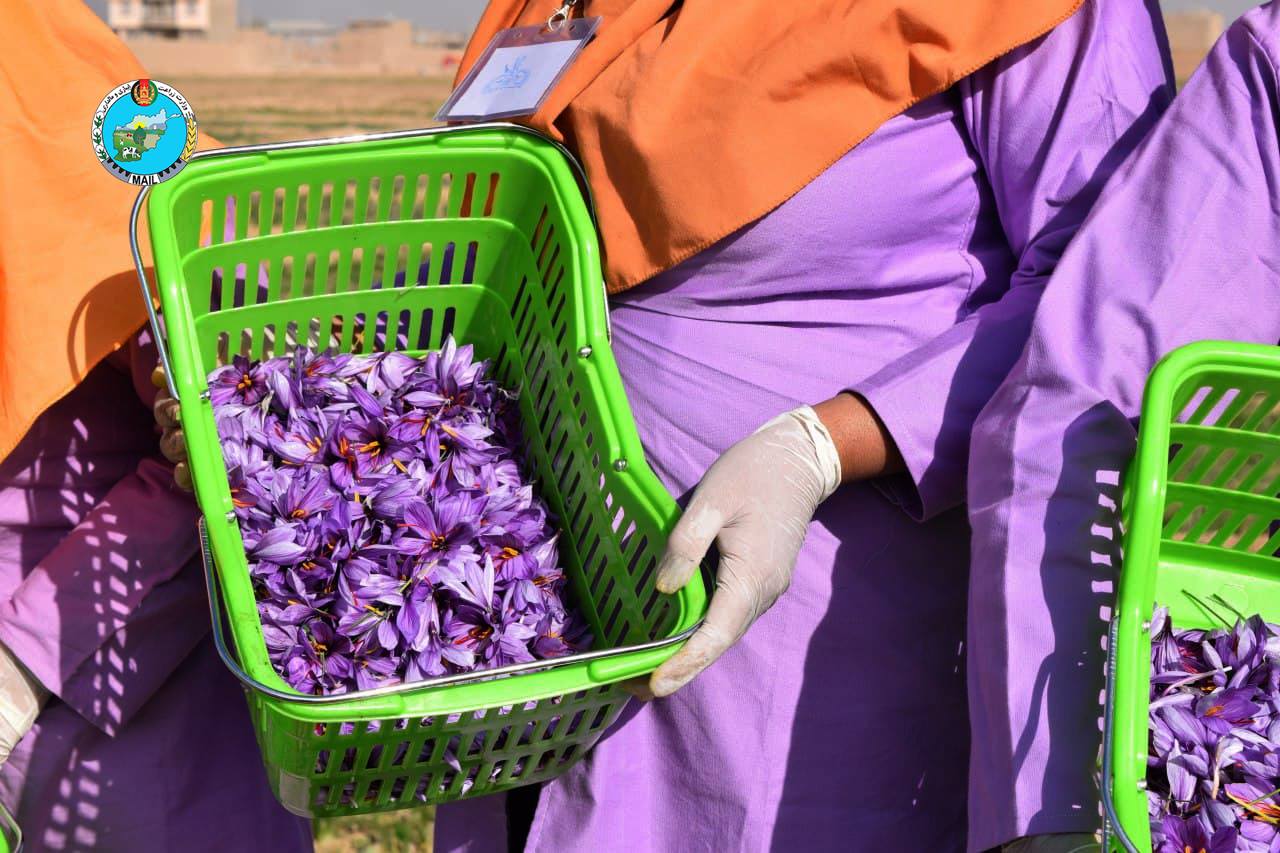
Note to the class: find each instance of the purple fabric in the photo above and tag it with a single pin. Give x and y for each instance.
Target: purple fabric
(908, 271)
(1182, 246)
(102, 598)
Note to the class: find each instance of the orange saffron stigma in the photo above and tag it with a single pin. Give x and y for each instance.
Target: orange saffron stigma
(245, 383)
(298, 513)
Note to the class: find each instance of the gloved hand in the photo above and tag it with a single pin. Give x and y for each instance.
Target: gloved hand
(756, 503)
(1069, 842)
(172, 444)
(21, 697)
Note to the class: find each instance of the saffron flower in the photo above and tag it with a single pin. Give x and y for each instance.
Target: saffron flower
(239, 383)
(1213, 778)
(393, 535)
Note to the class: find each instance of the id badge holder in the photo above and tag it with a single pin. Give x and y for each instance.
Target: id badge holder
(517, 70)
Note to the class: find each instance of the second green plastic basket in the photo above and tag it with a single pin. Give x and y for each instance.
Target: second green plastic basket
(394, 242)
(1202, 535)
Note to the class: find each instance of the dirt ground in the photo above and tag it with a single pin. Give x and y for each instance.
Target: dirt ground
(244, 110)
(241, 111)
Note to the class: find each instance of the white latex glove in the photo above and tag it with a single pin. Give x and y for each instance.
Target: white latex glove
(1058, 843)
(21, 697)
(756, 503)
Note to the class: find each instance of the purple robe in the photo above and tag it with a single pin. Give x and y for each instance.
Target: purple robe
(146, 743)
(909, 272)
(1184, 245)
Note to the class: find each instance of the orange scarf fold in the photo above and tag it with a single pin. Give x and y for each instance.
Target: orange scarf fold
(693, 119)
(68, 294)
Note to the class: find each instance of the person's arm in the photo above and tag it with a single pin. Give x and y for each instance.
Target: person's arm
(1183, 245)
(1048, 123)
(100, 620)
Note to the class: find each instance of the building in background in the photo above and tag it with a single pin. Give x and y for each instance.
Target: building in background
(1191, 34)
(202, 37)
(307, 31)
(215, 19)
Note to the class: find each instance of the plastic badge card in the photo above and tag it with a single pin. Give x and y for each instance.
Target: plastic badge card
(517, 70)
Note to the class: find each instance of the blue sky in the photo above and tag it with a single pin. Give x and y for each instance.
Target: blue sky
(461, 15)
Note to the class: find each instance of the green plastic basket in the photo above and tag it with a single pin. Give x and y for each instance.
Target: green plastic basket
(395, 241)
(1202, 527)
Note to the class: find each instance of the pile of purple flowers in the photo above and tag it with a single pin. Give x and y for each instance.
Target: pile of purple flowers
(1213, 778)
(390, 533)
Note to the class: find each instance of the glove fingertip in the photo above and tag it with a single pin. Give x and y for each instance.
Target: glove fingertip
(674, 674)
(639, 688)
(673, 573)
(662, 686)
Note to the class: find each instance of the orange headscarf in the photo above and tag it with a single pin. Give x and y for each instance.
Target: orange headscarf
(693, 119)
(68, 294)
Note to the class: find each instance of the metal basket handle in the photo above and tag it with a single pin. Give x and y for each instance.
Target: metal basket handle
(153, 316)
(1111, 826)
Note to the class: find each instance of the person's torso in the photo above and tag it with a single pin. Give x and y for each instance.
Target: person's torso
(887, 248)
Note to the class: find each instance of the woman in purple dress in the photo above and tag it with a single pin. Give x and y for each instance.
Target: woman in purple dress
(146, 743)
(1184, 245)
(120, 730)
(907, 274)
